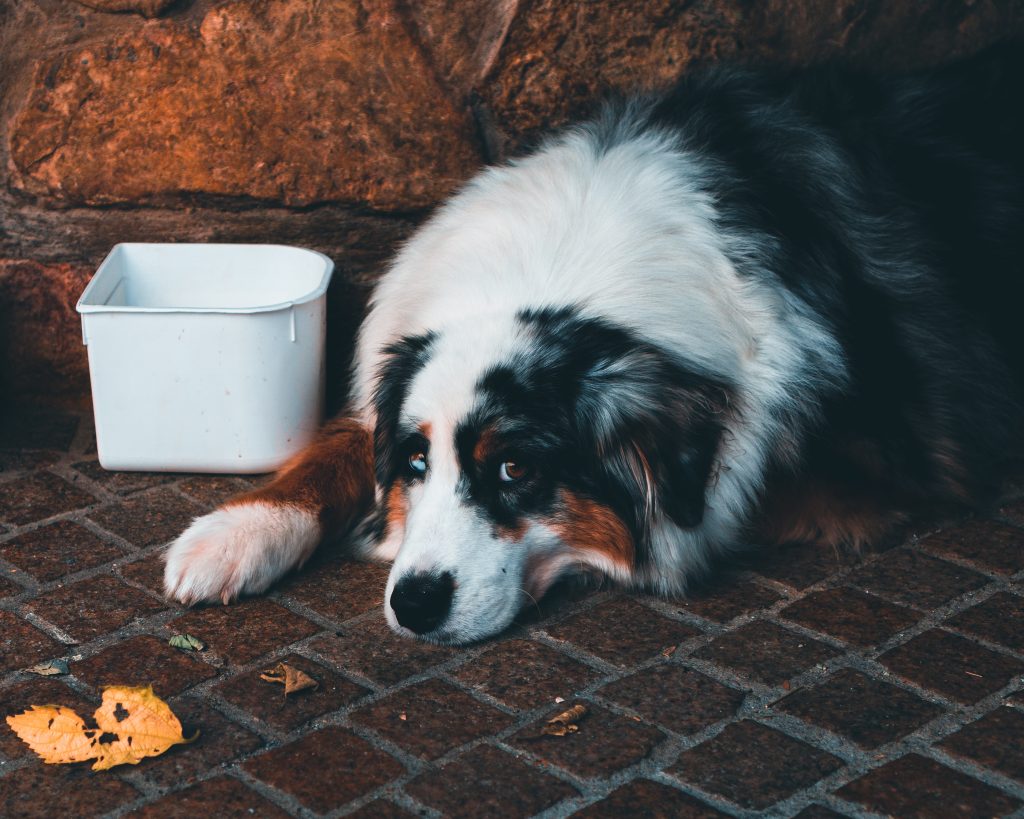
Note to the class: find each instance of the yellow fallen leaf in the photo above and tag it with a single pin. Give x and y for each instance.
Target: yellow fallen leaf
(291, 678)
(132, 723)
(56, 733)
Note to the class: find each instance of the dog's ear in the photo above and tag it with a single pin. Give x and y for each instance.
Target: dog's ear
(662, 470)
(688, 473)
(401, 361)
(656, 429)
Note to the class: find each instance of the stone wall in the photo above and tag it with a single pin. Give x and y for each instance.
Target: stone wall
(337, 124)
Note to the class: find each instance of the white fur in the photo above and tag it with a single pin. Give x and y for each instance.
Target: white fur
(237, 550)
(626, 235)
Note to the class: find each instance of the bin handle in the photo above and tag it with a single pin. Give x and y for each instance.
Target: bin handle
(291, 318)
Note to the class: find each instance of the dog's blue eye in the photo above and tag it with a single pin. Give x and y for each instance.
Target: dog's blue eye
(511, 471)
(418, 462)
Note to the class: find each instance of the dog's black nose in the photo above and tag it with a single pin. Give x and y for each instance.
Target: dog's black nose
(421, 601)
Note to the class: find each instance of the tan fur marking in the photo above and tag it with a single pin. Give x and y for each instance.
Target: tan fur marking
(826, 514)
(512, 533)
(589, 526)
(425, 429)
(486, 446)
(951, 467)
(397, 508)
(332, 478)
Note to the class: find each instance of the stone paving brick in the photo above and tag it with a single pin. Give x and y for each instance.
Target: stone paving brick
(766, 652)
(143, 660)
(999, 619)
(850, 615)
(488, 782)
(380, 809)
(39, 496)
(266, 701)
(799, 565)
(148, 572)
(728, 600)
(58, 549)
(868, 712)
(951, 665)
(44, 791)
(219, 743)
(222, 797)
(122, 483)
(326, 769)
(22, 644)
(644, 799)
(995, 546)
(337, 588)
(431, 718)
(213, 490)
(246, 630)
(995, 741)
(678, 698)
(818, 812)
(622, 631)
(524, 674)
(916, 579)
(93, 607)
(13, 461)
(604, 744)
(157, 517)
(35, 691)
(326, 766)
(375, 651)
(918, 788)
(753, 766)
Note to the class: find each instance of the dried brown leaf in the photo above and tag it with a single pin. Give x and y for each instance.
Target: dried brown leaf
(565, 723)
(293, 679)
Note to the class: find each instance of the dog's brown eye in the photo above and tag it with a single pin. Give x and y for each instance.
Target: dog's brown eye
(511, 471)
(418, 463)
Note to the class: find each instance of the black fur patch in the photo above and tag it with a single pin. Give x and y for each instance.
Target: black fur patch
(892, 208)
(402, 361)
(576, 409)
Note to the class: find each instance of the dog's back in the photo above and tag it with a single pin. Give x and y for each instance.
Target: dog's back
(894, 207)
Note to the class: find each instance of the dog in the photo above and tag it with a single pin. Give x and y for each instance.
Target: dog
(755, 308)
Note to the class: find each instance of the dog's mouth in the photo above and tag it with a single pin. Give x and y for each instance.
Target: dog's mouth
(461, 623)
(440, 636)
(443, 635)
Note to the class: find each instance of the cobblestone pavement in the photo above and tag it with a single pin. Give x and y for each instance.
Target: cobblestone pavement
(808, 684)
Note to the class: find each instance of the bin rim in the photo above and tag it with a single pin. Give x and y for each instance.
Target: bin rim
(83, 308)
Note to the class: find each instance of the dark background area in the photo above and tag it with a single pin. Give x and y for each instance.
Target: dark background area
(338, 124)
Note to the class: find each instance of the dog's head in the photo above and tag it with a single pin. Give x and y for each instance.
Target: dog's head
(516, 449)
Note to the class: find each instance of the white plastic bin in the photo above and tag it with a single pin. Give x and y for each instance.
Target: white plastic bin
(205, 357)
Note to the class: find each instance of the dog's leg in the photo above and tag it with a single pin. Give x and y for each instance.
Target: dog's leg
(253, 539)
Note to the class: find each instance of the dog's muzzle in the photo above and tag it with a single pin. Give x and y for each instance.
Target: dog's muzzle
(421, 602)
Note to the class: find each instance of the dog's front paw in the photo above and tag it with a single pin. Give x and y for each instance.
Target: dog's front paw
(238, 549)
